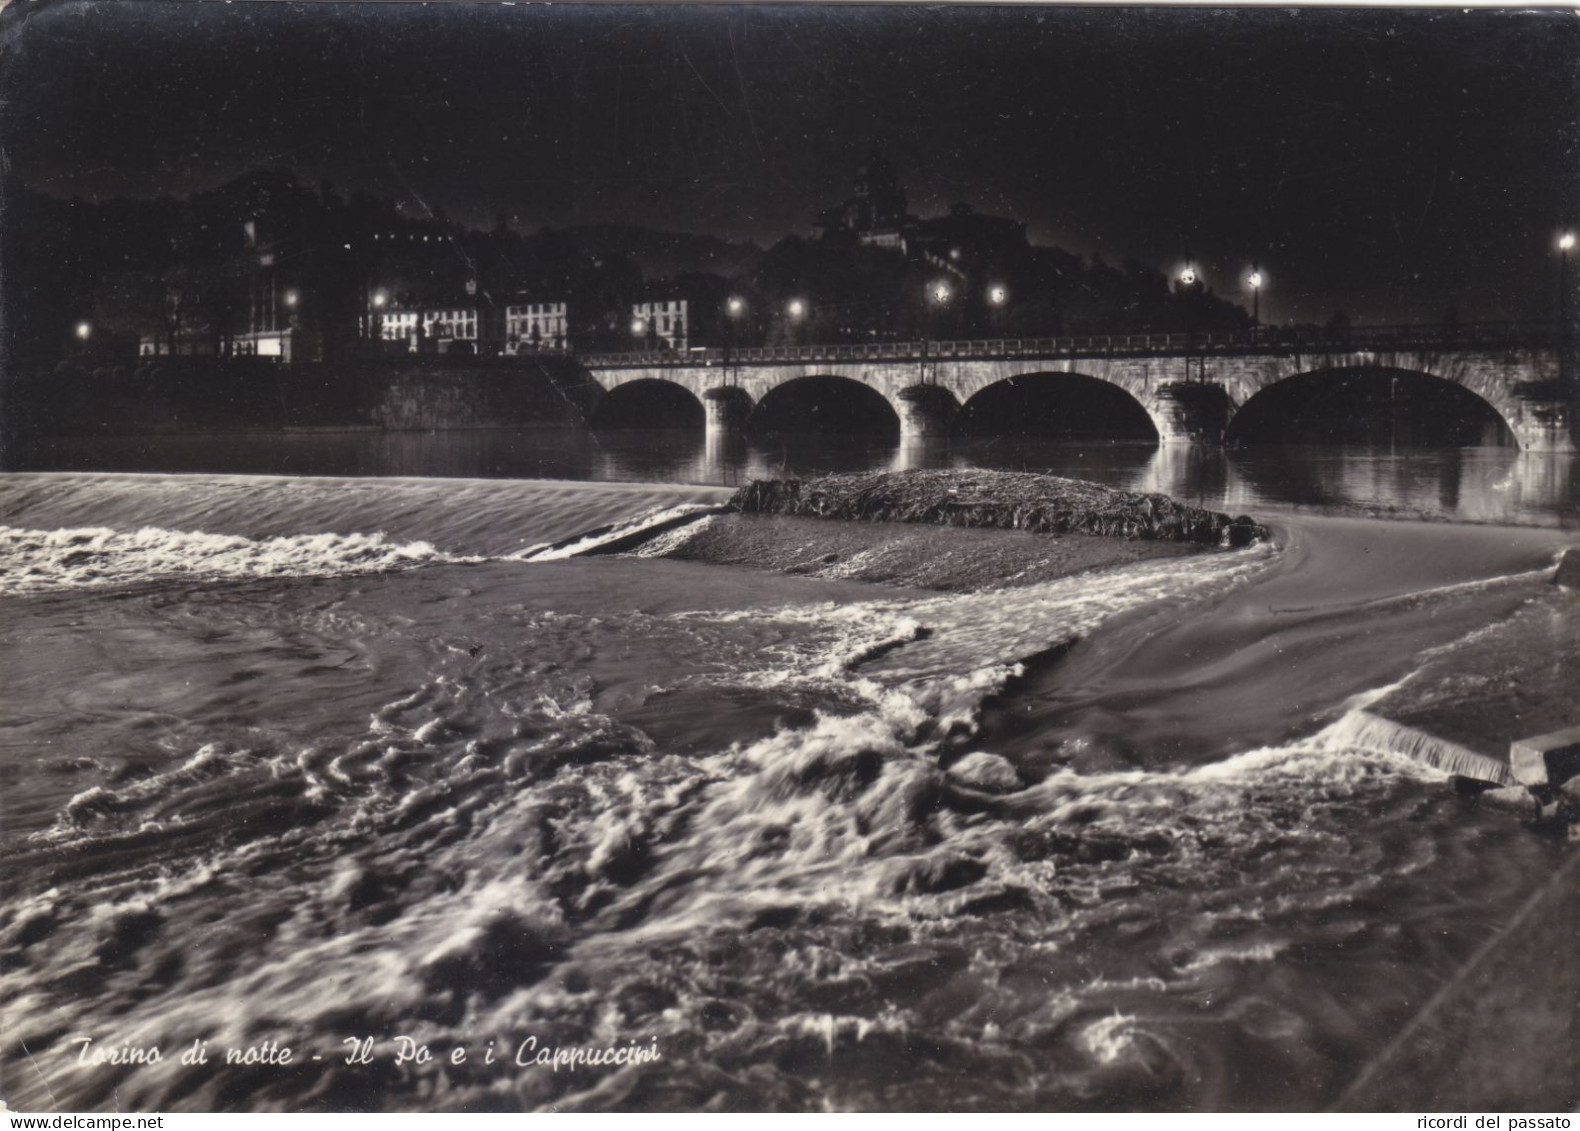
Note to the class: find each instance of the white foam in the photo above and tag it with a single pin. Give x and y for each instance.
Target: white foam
(657, 521)
(662, 545)
(1110, 1038)
(1366, 731)
(33, 561)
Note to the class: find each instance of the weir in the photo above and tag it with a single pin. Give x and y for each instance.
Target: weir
(1373, 732)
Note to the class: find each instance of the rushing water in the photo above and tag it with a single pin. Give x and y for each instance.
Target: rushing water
(314, 760)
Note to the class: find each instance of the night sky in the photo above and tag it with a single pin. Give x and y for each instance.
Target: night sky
(1390, 164)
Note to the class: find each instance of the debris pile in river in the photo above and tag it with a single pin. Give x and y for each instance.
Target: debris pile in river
(1043, 504)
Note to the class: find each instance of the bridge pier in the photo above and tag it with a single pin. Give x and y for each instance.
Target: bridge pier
(1548, 432)
(724, 454)
(925, 411)
(1190, 413)
(727, 408)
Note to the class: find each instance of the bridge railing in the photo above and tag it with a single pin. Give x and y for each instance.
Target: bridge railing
(1469, 335)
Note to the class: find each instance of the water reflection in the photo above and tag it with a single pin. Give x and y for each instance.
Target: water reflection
(1477, 484)
(1192, 474)
(1485, 484)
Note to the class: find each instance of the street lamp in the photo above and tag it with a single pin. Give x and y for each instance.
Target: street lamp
(997, 296)
(1188, 279)
(1566, 243)
(1256, 281)
(797, 311)
(938, 296)
(734, 307)
(84, 331)
(292, 298)
(378, 300)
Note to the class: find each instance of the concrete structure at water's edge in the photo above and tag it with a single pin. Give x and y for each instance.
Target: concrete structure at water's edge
(1190, 388)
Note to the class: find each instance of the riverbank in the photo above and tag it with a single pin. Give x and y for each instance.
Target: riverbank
(188, 396)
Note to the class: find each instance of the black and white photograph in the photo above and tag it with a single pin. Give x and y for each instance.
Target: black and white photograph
(789, 557)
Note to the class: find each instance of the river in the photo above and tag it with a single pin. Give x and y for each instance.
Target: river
(1490, 483)
(295, 752)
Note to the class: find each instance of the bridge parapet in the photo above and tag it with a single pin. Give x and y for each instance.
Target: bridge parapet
(1270, 339)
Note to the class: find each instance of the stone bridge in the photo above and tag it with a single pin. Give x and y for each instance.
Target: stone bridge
(1190, 388)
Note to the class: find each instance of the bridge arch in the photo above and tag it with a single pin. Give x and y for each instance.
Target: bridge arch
(826, 402)
(648, 403)
(1368, 401)
(1190, 395)
(1061, 403)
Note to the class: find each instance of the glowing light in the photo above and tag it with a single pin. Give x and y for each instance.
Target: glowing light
(998, 296)
(1566, 241)
(1255, 279)
(380, 299)
(84, 331)
(941, 293)
(638, 327)
(1188, 276)
(797, 308)
(735, 306)
(292, 298)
